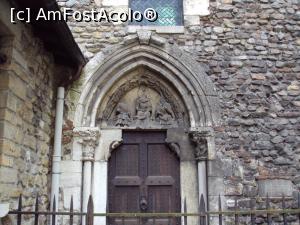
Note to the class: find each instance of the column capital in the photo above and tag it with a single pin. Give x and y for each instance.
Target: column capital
(88, 137)
(199, 138)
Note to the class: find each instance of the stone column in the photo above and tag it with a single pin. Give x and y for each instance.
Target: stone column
(201, 153)
(110, 139)
(88, 138)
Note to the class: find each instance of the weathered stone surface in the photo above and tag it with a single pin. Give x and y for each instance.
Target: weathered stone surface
(27, 102)
(275, 187)
(250, 52)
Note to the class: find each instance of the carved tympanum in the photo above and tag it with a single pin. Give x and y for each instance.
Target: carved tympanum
(144, 102)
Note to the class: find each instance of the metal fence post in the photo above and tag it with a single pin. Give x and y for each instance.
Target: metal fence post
(220, 211)
(252, 216)
(36, 211)
(54, 211)
(71, 211)
(202, 216)
(90, 212)
(269, 220)
(19, 217)
(283, 207)
(236, 216)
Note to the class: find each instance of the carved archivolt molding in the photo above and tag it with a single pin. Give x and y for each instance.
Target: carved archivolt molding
(168, 112)
(199, 138)
(88, 138)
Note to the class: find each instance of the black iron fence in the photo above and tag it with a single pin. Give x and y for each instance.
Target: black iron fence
(236, 214)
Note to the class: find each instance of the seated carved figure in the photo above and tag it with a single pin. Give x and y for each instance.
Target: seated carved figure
(123, 116)
(143, 106)
(164, 112)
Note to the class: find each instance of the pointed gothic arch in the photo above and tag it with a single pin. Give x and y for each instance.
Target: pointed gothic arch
(168, 73)
(175, 66)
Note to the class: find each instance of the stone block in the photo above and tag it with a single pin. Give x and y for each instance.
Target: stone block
(17, 86)
(275, 187)
(4, 80)
(8, 100)
(68, 193)
(6, 161)
(69, 166)
(215, 168)
(190, 20)
(213, 202)
(69, 180)
(196, 7)
(7, 130)
(216, 186)
(9, 148)
(8, 175)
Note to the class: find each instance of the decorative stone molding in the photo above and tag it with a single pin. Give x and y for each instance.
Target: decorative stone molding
(88, 137)
(113, 145)
(171, 64)
(174, 147)
(199, 138)
(145, 37)
(167, 112)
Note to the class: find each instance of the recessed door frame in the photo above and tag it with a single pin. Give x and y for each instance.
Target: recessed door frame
(178, 140)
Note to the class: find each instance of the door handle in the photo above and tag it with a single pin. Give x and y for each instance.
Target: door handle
(143, 204)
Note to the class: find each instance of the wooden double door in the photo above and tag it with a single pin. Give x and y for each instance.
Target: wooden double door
(143, 176)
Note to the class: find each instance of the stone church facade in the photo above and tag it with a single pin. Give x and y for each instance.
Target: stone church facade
(218, 92)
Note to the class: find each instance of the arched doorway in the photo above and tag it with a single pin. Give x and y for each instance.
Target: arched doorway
(143, 85)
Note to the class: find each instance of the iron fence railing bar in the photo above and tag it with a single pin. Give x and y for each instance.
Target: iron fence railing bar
(90, 212)
(202, 213)
(283, 207)
(269, 220)
(226, 213)
(19, 213)
(71, 211)
(54, 210)
(220, 209)
(252, 215)
(36, 215)
(185, 211)
(236, 216)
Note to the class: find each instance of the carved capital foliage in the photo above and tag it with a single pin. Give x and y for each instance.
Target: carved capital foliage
(199, 138)
(88, 138)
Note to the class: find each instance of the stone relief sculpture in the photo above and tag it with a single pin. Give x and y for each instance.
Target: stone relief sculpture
(123, 115)
(143, 107)
(164, 112)
(199, 138)
(88, 138)
(149, 104)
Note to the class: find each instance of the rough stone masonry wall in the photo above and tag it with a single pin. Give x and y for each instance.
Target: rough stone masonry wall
(251, 52)
(26, 118)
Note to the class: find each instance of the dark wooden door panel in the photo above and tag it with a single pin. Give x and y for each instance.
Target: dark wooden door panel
(143, 177)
